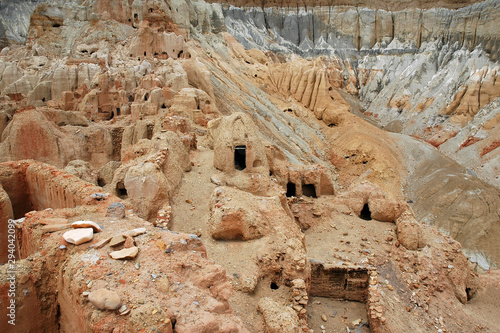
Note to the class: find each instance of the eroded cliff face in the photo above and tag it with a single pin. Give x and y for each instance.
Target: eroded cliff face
(240, 130)
(323, 29)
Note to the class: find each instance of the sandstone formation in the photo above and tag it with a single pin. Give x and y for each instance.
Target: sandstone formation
(249, 166)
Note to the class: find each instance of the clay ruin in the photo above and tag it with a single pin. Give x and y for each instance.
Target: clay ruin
(207, 166)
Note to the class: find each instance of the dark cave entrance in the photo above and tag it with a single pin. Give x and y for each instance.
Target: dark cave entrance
(366, 214)
(274, 286)
(309, 190)
(240, 157)
(121, 191)
(291, 190)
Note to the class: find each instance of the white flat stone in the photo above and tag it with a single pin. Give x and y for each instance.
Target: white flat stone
(86, 224)
(79, 236)
(129, 253)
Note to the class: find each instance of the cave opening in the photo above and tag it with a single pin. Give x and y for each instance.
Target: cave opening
(309, 190)
(468, 291)
(240, 157)
(274, 286)
(366, 214)
(121, 191)
(291, 190)
(101, 182)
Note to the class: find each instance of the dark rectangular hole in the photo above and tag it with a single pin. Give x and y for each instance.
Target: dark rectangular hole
(240, 157)
(309, 190)
(291, 190)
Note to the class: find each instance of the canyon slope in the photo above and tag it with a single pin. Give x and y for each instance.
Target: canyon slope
(256, 161)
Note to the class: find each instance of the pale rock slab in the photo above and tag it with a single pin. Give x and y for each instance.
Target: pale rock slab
(128, 253)
(86, 224)
(79, 236)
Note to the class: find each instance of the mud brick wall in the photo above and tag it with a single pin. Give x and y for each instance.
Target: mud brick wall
(347, 283)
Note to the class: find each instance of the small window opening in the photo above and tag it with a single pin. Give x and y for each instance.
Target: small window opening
(309, 190)
(291, 190)
(43, 99)
(146, 96)
(366, 214)
(163, 106)
(180, 54)
(240, 157)
(56, 25)
(118, 111)
(274, 286)
(136, 16)
(101, 182)
(145, 53)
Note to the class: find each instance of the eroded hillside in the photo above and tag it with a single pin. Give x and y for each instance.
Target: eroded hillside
(255, 167)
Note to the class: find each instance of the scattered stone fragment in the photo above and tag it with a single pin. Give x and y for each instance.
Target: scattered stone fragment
(126, 312)
(54, 227)
(324, 318)
(129, 253)
(105, 299)
(356, 322)
(390, 287)
(135, 232)
(99, 196)
(129, 242)
(79, 236)
(86, 224)
(102, 243)
(122, 309)
(116, 210)
(215, 181)
(117, 240)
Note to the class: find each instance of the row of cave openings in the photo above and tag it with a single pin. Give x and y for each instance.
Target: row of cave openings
(240, 164)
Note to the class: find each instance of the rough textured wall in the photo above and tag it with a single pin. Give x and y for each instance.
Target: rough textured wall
(323, 29)
(381, 4)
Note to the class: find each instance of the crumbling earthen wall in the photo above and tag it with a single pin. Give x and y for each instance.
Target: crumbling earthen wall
(349, 283)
